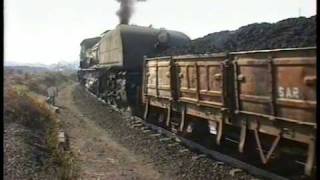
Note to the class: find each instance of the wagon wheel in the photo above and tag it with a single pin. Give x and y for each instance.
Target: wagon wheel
(161, 119)
(187, 130)
(195, 129)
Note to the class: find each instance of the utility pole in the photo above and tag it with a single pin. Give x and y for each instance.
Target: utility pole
(299, 12)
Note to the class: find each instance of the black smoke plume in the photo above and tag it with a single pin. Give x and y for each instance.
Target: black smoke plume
(126, 10)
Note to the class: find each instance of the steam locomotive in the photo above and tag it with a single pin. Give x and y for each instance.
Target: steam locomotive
(269, 95)
(111, 65)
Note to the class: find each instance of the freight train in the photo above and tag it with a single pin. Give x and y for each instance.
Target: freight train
(260, 98)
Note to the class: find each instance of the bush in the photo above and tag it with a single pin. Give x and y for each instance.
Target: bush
(19, 106)
(39, 83)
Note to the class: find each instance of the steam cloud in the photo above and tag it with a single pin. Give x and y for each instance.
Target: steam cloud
(126, 10)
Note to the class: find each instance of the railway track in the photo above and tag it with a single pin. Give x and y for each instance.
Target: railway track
(173, 139)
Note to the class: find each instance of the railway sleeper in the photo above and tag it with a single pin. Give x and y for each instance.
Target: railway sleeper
(173, 144)
(155, 135)
(164, 139)
(146, 131)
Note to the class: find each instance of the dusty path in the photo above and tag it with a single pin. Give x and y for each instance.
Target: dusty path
(100, 157)
(110, 147)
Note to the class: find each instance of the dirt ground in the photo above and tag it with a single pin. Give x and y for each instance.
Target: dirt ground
(100, 157)
(108, 146)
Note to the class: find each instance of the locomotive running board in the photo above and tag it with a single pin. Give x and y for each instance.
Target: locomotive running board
(217, 155)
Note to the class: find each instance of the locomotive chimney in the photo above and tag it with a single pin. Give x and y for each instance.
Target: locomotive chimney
(126, 10)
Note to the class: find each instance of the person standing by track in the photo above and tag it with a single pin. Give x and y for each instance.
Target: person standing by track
(52, 93)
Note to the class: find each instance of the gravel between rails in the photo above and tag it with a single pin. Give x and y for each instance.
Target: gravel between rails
(174, 161)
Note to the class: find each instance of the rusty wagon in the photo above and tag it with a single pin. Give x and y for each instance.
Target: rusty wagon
(265, 93)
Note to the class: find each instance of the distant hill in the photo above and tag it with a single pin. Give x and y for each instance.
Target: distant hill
(288, 33)
(25, 69)
(64, 66)
(38, 68)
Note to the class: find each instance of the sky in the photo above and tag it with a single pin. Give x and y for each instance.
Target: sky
(49, 31)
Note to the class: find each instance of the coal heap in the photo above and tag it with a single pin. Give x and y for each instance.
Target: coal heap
(288, 33)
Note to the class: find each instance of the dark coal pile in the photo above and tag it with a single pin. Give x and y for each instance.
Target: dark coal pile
(288, 33)
(173, 162)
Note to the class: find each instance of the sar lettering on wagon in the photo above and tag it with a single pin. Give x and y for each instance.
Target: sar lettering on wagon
(289, 92)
